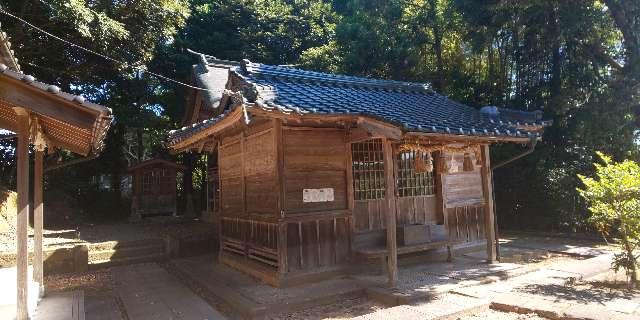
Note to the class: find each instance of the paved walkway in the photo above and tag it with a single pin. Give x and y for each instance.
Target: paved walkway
(554, 291)
(8, 292)
(61, 306)
(148, 291)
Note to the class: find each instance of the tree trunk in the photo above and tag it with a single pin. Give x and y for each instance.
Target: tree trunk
(628, 248)
(438, 83)
(625, 13)
(140, 151)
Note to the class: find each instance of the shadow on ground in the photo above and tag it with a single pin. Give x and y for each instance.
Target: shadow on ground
(593, 292)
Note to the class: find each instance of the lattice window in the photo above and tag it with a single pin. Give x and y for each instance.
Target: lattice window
(368, 170)
(415, 173)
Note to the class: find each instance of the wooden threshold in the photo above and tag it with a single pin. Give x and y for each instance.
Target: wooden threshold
(382, 251)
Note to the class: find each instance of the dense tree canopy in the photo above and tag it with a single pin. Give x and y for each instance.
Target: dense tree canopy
(577, 60)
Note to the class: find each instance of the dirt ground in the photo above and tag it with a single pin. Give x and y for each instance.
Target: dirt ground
(349, 308)
(90, 233)
(610, 287)
(100, 300)
(497, 315)
(341, 310)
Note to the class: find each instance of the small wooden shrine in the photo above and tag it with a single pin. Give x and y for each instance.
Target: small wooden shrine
(154, 188)
(317, 171)
(43, 116)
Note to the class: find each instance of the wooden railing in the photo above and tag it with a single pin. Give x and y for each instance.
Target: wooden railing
(253, 239)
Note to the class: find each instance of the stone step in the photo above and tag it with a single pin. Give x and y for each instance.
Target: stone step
(121, 253)
(111, 245)
(98, 264)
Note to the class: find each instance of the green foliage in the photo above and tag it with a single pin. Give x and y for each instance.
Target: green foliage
(578, 61)
(614, 201)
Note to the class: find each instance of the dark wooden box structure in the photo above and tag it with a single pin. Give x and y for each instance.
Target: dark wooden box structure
(154, 188)
(411, 234)
(303, 194)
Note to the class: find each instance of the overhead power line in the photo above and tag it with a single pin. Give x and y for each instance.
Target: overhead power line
(129, 65)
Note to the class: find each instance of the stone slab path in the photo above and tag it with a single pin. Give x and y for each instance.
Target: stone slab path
(251, 298)
(560, 290)
(61, 306)
(148, 291)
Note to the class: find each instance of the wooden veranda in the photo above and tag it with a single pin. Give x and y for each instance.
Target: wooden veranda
(47, 118)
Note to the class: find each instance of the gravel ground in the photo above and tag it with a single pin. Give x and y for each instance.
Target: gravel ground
(344, 309)
(99, 280)
(349, 308)
(99, 298)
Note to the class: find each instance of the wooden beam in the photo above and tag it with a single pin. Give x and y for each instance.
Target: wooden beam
(227, 122)
(490, 218)
(22, 175)
(380, 129)
(390, 196)
(358, 135)
(243, 186)
(38, 220)
(21, 94)
(461, 138)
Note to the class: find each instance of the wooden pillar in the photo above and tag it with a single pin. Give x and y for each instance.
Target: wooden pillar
(280, 191)
(243, 186)
(390, 196)
(351, 200)
(22, 161)
(218, 216)
(38, 212)
(490, 218)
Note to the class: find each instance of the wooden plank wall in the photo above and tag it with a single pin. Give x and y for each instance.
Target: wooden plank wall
(247, 175)
(317, 232)
(368, 215)
(417, 210)
(463, 188)
(321, 243)
(260, 173)
(314, 158)
(231, 193)
(466, 223)
(463, 199)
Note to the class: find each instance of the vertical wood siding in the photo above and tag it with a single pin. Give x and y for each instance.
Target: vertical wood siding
(313, 159)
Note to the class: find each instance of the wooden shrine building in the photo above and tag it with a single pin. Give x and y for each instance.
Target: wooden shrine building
(317, 170)
(47, 118)
(154, 188)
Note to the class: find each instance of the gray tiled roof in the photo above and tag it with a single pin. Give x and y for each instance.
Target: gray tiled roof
(212, 74)
(412, 106)
(104, 114)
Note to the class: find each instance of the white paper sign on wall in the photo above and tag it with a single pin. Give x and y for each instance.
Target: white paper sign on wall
(317, 195)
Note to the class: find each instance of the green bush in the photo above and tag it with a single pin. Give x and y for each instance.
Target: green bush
(614, 201)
